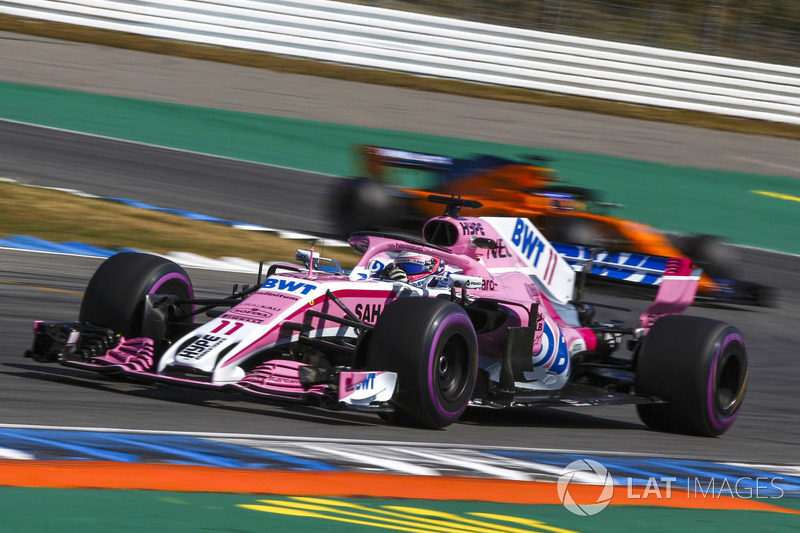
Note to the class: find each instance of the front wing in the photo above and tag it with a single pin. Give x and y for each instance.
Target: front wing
(87, 347)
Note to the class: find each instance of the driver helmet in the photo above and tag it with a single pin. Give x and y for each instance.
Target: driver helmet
(421, 269)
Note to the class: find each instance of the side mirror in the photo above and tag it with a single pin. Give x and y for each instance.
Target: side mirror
(483, 242)
(305, 256)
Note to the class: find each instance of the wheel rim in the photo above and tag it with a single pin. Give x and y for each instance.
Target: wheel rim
(177, 285)
(451, 368)
(728, 383)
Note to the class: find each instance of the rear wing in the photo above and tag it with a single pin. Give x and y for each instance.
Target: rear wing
(637, 269)
(376, 159)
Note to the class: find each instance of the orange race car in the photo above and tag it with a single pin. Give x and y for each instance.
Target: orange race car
(395, 184)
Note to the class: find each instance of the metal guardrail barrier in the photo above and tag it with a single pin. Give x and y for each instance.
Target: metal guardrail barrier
(379, 38)
(758, 30)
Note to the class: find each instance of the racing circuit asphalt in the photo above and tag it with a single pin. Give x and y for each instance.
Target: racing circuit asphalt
(44, 286)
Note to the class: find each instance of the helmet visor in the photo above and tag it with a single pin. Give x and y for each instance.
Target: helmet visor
(414, 269)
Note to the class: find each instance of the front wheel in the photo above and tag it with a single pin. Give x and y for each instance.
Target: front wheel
(115, 296)
(698, 366)
(432, 346)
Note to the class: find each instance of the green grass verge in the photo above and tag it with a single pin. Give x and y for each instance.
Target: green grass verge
(59, 216)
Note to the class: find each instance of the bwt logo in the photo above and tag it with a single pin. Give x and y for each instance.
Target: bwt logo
(580, 474)
(367, 384)
(289, 285)
(527, 240)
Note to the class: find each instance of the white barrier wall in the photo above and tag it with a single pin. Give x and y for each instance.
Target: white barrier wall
(441, 47)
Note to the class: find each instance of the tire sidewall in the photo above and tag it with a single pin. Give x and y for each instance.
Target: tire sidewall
(450, 326)
(408, 339)
(680, 363)
(729, 345)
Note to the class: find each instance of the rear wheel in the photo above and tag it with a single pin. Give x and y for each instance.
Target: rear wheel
(573, 230)
(698, 366)
(432, 346)
(362, 204)
(115, 296)
(710, 253)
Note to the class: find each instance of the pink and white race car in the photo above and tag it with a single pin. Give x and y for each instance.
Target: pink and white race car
(480, 312)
